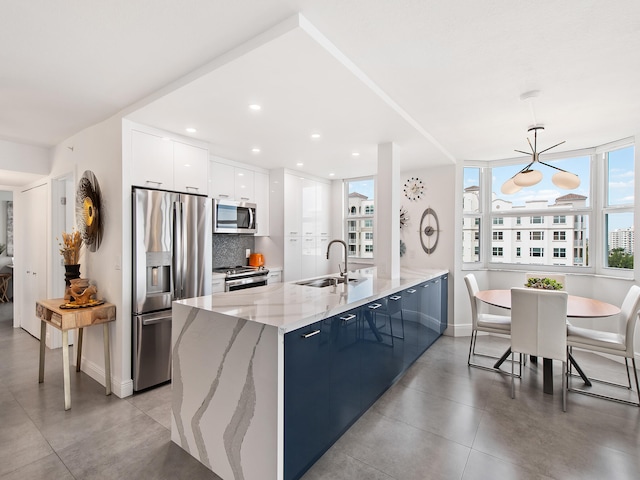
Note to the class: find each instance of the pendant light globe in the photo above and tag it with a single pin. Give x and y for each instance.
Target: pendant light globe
(566, 180)
(527, 178)
(509, 187)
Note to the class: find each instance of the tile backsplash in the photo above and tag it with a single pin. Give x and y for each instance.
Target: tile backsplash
(229, 250)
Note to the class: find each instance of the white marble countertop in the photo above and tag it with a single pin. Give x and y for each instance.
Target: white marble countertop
(289, 306)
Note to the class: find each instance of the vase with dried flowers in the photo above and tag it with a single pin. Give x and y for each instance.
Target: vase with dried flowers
(70, 250)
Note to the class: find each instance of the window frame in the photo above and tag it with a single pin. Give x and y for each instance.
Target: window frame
(368, 219)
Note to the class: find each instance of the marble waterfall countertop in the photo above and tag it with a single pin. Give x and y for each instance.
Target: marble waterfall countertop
(289, 306)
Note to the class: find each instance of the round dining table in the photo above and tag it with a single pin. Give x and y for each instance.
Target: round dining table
(577, 307)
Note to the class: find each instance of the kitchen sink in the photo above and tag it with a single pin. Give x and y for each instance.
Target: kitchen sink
(326, 281)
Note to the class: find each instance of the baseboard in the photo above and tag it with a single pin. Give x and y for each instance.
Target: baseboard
(119, 388)
(459, 330)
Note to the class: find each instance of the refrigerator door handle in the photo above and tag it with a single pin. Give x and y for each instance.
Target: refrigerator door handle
(177, 249)
(183, 251)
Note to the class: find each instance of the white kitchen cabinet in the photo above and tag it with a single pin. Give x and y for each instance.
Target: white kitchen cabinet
(323, 207)
(261, 193)
(161, 162)
(292, 258)
(223, 181)
(243, 185)
(190, 168)
(152, 157)
(309, 257)
(274, 276)
(217, 283)
(309, 207)
(292, 205)
(323, 265)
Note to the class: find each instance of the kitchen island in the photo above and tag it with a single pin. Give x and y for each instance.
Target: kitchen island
(265, 380)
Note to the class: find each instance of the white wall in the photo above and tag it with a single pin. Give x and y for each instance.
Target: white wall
(19, 157)
(99, 149)
(439, 194)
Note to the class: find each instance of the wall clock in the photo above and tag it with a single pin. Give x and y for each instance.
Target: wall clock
(429, 231)
(413, 188)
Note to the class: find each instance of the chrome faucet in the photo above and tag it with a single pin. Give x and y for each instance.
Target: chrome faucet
(346, 270)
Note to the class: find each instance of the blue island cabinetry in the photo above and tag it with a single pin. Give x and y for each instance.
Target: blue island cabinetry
(336, 368)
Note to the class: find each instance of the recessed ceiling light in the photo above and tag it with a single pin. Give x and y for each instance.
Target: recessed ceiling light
(299, 164)
(315, 136)
(191, 130)
(255, 150)
(255, 107)
(331, 174)
(166, 139)
(355, 154)
(187, 164)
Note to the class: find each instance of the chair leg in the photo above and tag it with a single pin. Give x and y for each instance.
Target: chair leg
(635, 374)
(471, 349)
(626, 364)
(564, 386)
(513, 385)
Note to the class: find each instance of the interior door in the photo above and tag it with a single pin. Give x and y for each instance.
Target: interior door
(32, 281)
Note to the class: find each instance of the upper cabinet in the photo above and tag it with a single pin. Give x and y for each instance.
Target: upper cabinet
(168, 164)
(244, 185)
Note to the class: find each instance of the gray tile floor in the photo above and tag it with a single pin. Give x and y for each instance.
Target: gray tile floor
(442, 420)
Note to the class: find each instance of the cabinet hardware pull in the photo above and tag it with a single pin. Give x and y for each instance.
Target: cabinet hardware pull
(310, 334)
(375, 306)
(395, 297)
(425, 286)
(347, 318)
(411, 290)
(293, 233)
(187, 187)
(436, 281)
(245, 198)
(223, 195)
(153, 181)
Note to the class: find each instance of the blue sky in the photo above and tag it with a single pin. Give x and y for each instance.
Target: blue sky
(364, 187)
(621, 179)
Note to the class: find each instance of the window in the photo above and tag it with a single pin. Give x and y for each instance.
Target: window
(498, 221)
(476, 251)
(559, 219)
(536, 235)
(537, 220)
(472, 214)
(561, 235)
(476, 236)
(536, 252)
(497, 251)
(498, 235)
(518, 252)
(518, 221)
(359, 224)
(559, 253)
(518, 236)
(618, 211)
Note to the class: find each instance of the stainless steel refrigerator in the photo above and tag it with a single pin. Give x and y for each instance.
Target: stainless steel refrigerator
(172, 237)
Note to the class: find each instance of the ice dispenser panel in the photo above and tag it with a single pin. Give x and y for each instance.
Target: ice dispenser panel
(158, 272)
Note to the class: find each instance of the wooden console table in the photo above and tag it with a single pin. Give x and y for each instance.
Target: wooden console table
(49, 312)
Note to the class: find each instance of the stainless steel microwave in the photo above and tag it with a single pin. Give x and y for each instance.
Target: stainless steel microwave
(234, 217)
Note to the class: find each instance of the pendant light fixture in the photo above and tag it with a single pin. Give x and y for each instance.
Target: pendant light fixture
(528, 177)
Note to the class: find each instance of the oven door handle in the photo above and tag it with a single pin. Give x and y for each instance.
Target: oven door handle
(246, 280)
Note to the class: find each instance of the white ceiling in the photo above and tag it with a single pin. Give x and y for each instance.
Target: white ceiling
(453, 73)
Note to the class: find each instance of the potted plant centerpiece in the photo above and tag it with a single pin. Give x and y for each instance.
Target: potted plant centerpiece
(70, 250)
(543, 283)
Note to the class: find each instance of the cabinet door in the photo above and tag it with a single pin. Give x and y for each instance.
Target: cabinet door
(274, 277)
(190, 168)
(323, 266)
(217, 285)
(243, 185)
(222, 181)
(444, 303)
(429, 313)
(324, 210)
(306, 397)
(261, 189)
(292, 258)
(292, 205)
(411, 323)
(309, 207)
(309, 257)
(152, 160)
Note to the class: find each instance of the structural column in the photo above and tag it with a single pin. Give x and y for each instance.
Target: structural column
(387, 214)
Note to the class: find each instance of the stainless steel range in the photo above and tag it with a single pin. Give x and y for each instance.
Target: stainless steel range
(241, 277)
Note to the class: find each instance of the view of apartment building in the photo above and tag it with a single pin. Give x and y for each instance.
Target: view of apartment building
(621, 238)
(360, 226)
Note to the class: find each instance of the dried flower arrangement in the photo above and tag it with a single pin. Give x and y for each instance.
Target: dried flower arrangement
(70, 247)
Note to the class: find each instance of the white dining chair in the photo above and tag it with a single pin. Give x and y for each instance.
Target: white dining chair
(617, 344)
(483, 322)
(539, 327)
(552, 276)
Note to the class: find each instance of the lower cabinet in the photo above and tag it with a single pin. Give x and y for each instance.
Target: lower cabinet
(335, 369)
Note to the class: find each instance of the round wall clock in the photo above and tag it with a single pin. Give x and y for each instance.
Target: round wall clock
(413, 188)
(429, 231)
(88, 210)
